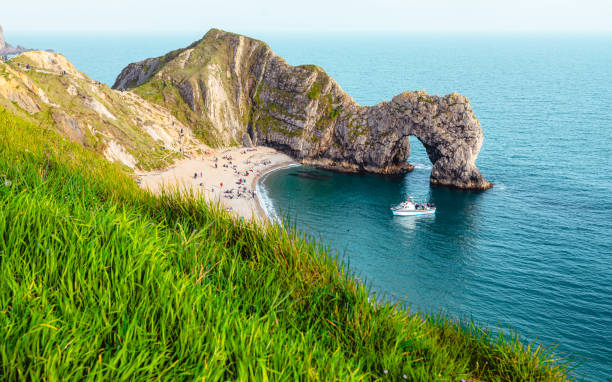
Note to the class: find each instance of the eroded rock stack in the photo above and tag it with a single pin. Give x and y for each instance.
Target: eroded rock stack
(235, 89)
(2, 42)
(7, 49)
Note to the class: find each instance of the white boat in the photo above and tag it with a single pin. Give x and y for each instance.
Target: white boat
(410, 208)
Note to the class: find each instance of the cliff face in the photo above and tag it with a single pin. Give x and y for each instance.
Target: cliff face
(46, 88)
(233, 89)
(208, 85)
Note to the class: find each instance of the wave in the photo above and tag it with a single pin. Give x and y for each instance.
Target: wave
(422, 166)
(264, 198)
(499, 186)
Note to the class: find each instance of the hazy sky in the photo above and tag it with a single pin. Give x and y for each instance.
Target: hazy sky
(307, 15)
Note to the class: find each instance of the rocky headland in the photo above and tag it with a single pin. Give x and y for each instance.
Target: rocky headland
(7, 49)
(2, 42)
(231, 89)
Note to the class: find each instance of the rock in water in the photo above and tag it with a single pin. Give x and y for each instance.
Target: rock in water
(226, 85)
(2, 43)
(6, 48)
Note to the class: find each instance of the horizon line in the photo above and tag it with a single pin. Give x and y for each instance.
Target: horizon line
(310, 31)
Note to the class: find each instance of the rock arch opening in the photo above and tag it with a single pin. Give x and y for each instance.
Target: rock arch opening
(421, 154)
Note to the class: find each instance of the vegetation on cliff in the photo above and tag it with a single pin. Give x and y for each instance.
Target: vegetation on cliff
(205, 85)
(45, 88)
(100, 279)
(230, 88)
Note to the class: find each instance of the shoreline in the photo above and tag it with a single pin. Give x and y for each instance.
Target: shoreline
(260, 209)
(228, 176)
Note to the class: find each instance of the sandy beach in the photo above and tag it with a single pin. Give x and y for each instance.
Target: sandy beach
(228, 176)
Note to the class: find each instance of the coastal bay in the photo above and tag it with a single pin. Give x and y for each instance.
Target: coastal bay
(533, 252)
(226, 176)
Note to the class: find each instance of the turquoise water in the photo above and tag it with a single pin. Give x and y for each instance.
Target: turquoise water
(534, 252)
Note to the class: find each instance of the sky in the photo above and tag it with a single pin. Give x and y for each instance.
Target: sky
(307, 15)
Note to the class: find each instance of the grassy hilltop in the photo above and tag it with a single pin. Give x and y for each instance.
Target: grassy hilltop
(100, 279)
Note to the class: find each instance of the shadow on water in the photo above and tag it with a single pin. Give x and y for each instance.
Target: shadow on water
(458, 213)
(311, 174)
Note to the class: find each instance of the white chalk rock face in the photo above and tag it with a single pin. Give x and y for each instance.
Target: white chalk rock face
(2, 43)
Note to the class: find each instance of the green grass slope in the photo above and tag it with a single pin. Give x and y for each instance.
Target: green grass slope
(101, 280)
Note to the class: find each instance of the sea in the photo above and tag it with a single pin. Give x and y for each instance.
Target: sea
(533, 254)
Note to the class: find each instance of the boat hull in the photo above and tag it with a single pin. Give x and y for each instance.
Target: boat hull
(413, 212)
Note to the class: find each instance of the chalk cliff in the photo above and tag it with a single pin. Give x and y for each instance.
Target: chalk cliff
(2, 42)
(233, 89)
(7, 49)
(46, 88)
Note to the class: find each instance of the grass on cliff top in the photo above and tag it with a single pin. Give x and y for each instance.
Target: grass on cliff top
(145, 149)
(101, 280)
